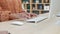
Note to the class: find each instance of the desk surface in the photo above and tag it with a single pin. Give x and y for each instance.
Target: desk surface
(47, 26)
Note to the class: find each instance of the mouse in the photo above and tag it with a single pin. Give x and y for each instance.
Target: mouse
(17, 23)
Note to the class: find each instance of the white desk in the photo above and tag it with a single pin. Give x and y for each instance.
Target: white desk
(47, 26)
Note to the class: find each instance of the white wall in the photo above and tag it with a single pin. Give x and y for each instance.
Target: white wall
(54, 8)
